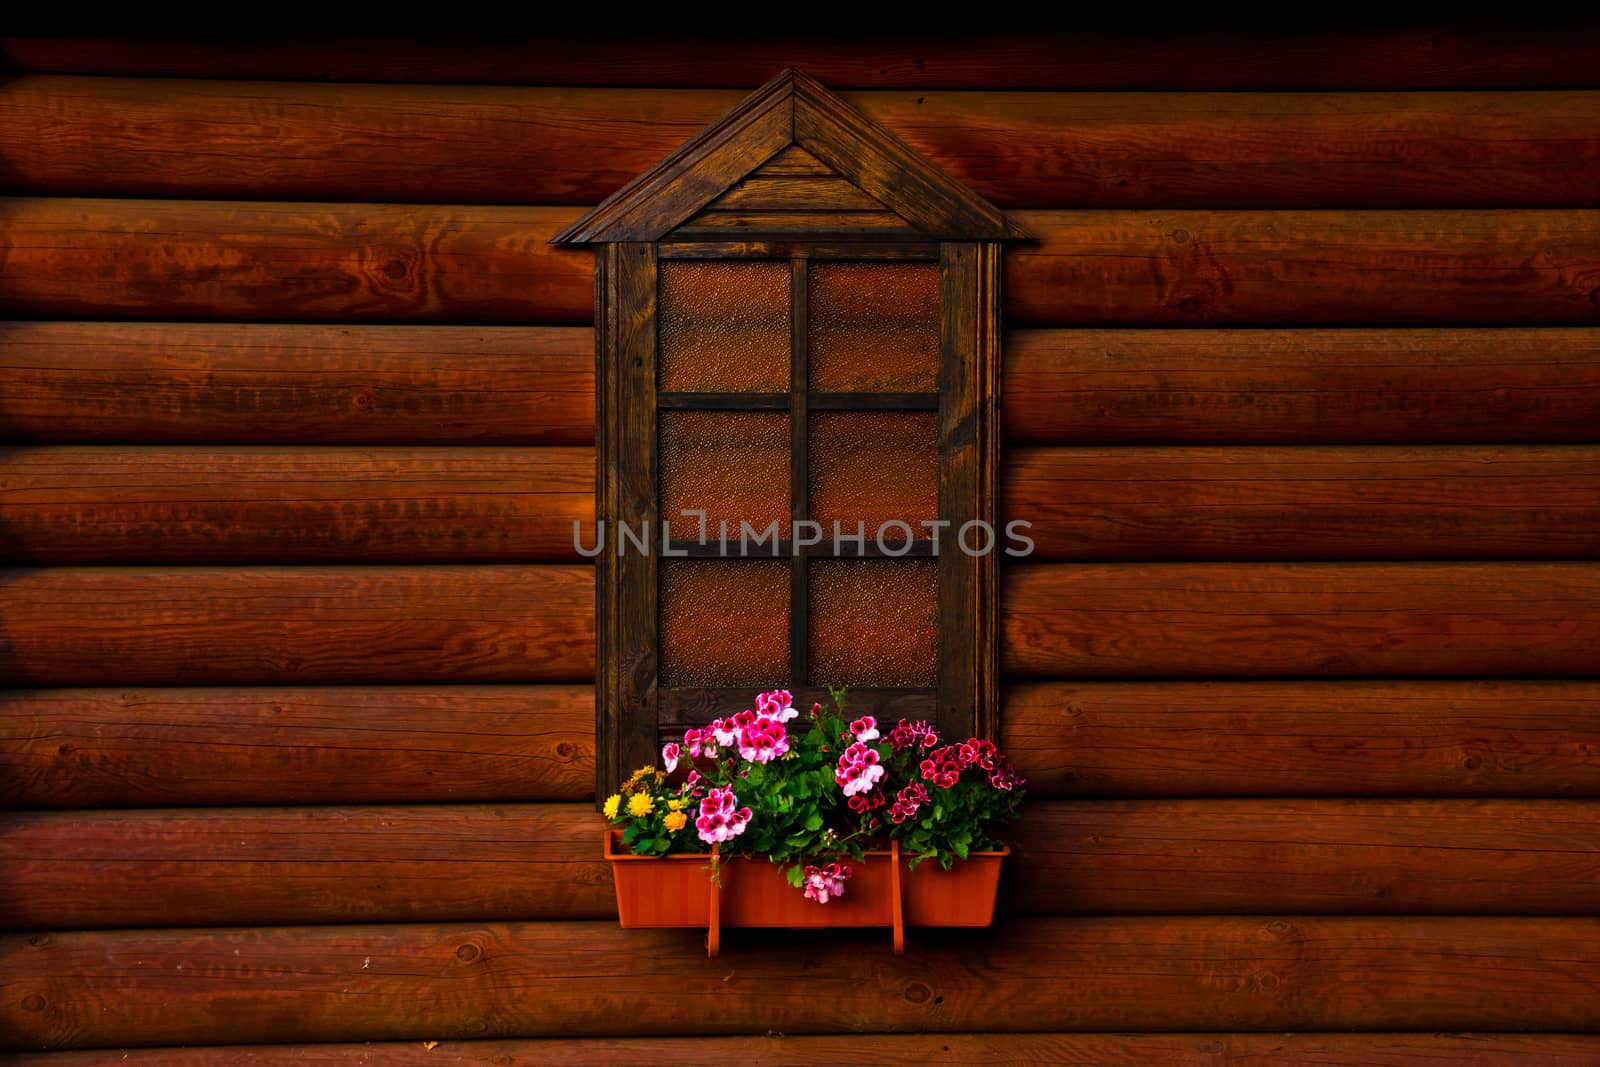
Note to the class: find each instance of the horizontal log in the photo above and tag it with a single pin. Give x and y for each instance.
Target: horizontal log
(162, 259)
(206, 504)
(1141, 620)
(1443, 385)
(1449, 56)
(243, 383)
(1307, 503)
(199, 259)
(1339, 857)
(1304, 738)
(117, 748)
(137, 137)
(1128, 1050)
(428, 982)
(71, 626)
(1263, 268)
(254, 866)
(249, 866)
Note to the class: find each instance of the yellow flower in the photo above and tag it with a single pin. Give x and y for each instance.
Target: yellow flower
(640, 804)
(642, 778)
(675, 804)
(613, 802)
(675, 821)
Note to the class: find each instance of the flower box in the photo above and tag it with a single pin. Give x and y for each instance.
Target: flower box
(796, 818)
(679, 891)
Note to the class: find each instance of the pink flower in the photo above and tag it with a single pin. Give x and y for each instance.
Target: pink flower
(723, 732)
(824, 883)
(696, 741)
(942, 767)
(763, 740)
(778, 704)
(865, 802)
(816, 709)
(908, 801)
(858, 769)
(865, 728)
(984, 753)
(1005, 776)
(669, 755)
(718, 821)
(908, 734)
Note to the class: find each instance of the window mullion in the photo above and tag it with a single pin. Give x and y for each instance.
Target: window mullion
(799, 470)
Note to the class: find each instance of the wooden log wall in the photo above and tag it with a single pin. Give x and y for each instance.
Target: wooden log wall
(1302, 393)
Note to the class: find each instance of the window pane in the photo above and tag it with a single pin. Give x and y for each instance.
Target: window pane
(873, 622)
(724, 622)
(734, 465)
(874, 466)
(724, 327)
(874, 327)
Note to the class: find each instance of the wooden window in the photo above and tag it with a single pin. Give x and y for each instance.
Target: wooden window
(797, 331)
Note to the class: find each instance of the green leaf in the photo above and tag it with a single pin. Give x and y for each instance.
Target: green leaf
(814, 821)
(795, 874)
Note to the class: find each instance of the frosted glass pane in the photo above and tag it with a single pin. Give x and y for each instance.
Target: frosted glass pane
(724, 622)
(724, 327)
(873, 466)
(733, 465)
(874, 327)
(873, 622)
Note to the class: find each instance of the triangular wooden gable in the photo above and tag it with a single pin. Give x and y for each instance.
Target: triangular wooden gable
(792, 157)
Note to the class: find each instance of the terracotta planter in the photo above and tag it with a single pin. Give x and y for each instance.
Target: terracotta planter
(676, 891)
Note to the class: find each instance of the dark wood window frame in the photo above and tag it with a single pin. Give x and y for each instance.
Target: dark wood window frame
(633, 233)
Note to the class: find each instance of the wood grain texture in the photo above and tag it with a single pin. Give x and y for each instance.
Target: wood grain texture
(1307, 503)
(210, 259)
(281, 383)
(1263, 268)
(436, 982)
(114, 748)
(242, 383)
(1264, 386)
(1202, 56)
(251, 504)
(1128, 1050)
(1338, 857)
(200, 259)
(72, 626)
(1176, 620)
(75, 136)
(257, 866)
(1303, 738)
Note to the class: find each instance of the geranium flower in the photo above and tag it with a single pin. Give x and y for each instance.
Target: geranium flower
(669, 755)
(718, 821)
(695, 741)
(942, 767)
(907, 801)
(865, 729)
(778, 704)
(863, 802)
(908, 734)
(824, 883)
(984, 753)
(763, 740)
(858, 769)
